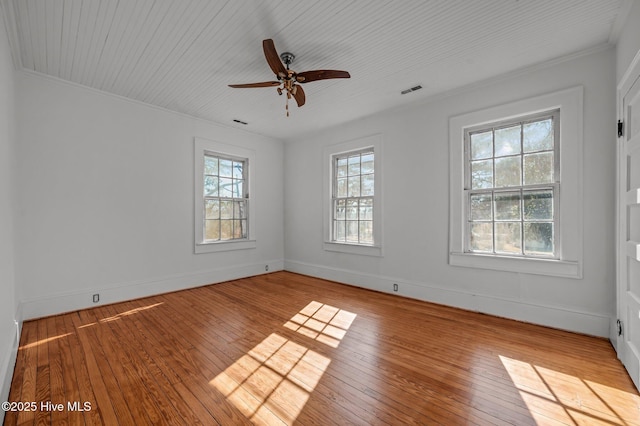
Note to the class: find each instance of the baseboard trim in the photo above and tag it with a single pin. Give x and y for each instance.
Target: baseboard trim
(593, 324)
(72, 301)
(7, 365)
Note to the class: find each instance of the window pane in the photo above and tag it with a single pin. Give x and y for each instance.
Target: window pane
(538, 136)
(340, 230)
(367, 185)
(482, 237)
(243, 228)
(481, 207)
(507, 206)
(366, 209)
(507, 141)
(226, 209)
(354, 165)
(210, 186)
(481, 145)
(352, 209)
(367, 164)
(353, 186)
(538, 168)
(366, 232)
(237, 170)
(237, 229)
(342, 187)
(508, 238)
(340, 209)
(481, 174)
(352, 231)
(212, 209)
(226, 167)
(538, 205)
(226, 230)
(239, 211)
(237, 189)
(210, 165)
(226, 187)
(342, 167)
(212, 230)
(538, 238)
(507, 171)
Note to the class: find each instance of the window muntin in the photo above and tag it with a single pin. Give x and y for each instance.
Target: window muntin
(225, 198)
(353, 197)
(512, 187)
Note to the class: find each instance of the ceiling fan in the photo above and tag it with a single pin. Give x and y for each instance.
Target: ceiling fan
(288, 80)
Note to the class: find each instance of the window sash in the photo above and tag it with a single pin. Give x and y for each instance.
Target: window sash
(522, 220)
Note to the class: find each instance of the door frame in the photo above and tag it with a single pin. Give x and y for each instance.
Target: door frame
(626, 82)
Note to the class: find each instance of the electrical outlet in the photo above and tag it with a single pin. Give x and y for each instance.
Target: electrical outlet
(96, 298)
(395, 287)
(266, 268)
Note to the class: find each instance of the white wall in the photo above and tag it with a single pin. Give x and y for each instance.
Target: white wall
(416, 200)
(8, 304)
(105, 195)
(629, 42)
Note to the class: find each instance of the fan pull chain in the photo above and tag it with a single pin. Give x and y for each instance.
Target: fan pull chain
(286, 107)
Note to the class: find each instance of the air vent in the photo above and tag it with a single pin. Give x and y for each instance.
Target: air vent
(413, 89)
(240, 121)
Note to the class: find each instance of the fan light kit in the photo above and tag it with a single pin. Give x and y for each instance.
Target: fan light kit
(288, 80)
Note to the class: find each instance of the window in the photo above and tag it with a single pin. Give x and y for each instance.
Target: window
(512, 186)
(353, 196)
(225, 198)
(224, 211)
(515, 188)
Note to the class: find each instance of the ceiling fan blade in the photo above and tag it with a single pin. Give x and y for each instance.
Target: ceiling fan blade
(298, 94)
(307, 76)
(263, 84)
(272, 57)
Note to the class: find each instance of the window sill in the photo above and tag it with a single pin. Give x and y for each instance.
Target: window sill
(224, 246)
(353, 249)
(551, 267)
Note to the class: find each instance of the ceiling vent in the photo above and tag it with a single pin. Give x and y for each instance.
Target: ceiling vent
(413, 89)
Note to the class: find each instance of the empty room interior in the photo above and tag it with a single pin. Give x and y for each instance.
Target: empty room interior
(320, 212)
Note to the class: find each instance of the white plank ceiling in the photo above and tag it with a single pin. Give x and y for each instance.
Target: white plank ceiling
(181, 54)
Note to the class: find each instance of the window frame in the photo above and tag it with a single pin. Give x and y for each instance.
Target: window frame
(335, 197)
(569, 259)
(369, 143)
(203, 148)
(554, 186)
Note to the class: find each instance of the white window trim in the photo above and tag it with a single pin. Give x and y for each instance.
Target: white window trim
(202, 146)
(330, 151)
(570, 261)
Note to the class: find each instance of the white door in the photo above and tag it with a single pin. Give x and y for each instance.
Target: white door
(628, 343)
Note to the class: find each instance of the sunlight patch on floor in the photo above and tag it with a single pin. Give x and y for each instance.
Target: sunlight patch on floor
(43, 341)
(553, 397)
(130, 312)
(324, 323)
(272, 382)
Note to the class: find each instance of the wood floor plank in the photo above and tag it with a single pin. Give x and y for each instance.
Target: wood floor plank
(101, 381)
(283, 348)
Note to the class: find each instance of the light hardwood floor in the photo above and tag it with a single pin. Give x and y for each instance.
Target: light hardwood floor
(283, 348)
